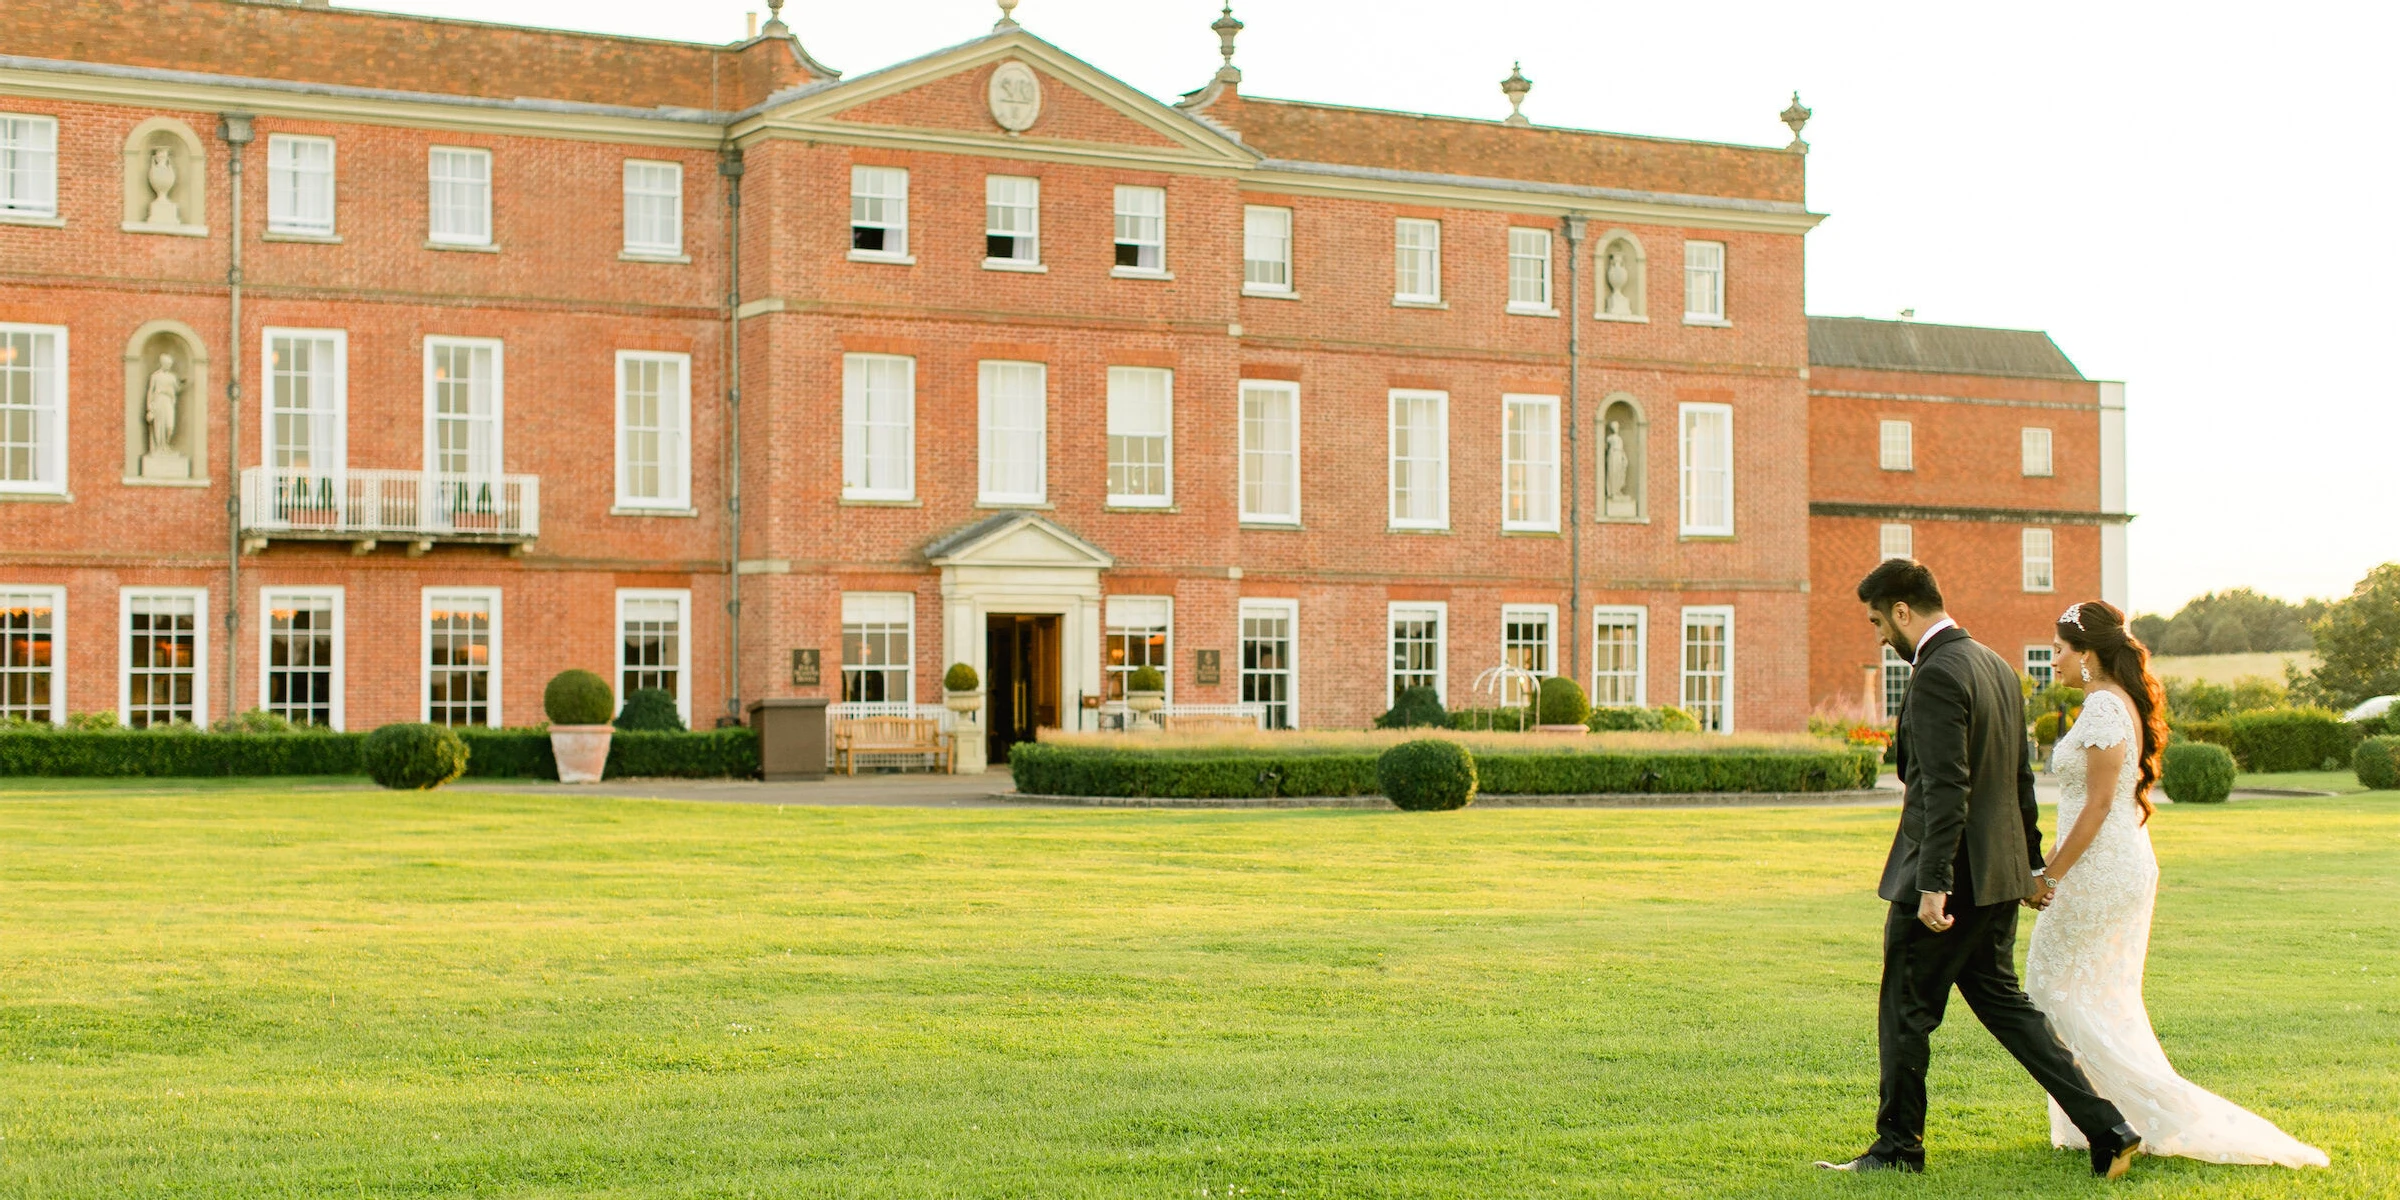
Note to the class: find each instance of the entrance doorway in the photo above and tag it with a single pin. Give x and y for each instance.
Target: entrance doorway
(1021, 657)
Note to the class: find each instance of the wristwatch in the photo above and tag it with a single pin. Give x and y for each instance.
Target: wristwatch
(2048, 882)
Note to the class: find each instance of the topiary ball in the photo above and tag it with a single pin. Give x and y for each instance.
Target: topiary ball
(1145, 678)
(2377, 763)
(1428, 775)
(1562, 702)
(650, 708)
(1676, 720)
(413, 756)
(2197, 773)
(578, 697)
(1417, 707)
(961, 678)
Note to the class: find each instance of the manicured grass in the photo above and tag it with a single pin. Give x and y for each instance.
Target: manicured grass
(309, 992)
(2314, 781)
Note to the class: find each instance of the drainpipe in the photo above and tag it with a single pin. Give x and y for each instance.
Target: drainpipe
(1574, 231)
(729, 166)
(234, 128)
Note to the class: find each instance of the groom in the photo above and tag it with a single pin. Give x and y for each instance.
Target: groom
(1968, 851)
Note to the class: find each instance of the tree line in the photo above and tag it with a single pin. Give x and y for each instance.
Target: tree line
(2356, 638)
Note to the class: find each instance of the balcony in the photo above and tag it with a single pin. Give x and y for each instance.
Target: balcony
(364, 508)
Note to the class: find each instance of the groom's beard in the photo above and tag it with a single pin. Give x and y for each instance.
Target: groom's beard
(1900, 644)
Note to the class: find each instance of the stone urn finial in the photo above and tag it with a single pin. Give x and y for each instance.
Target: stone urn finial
(1515, 87)
(1008, 17)
(1796, 116)
(1227, 25)
(775, 26)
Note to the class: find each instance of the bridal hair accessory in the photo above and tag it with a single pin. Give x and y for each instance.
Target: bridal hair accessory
(2073, 616)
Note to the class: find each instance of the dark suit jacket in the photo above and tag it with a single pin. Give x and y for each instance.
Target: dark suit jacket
(1968, 825)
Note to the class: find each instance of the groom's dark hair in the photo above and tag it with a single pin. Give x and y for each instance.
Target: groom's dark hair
(1900, 581)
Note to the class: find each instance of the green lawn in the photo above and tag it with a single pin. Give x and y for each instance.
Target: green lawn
(2313, 781)
(310, 992)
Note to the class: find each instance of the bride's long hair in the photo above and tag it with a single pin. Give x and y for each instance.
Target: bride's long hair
(2097, 628)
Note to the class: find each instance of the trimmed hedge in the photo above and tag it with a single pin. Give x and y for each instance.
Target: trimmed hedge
(1417, 706)
(2290, 739)
(1429, 775)
(578, 697)
(2376, 762)
(413, 756)
(650, 709)
(491, 753)
(1050, 769)
(1563, 702)
(710, 754)
(2197, 773)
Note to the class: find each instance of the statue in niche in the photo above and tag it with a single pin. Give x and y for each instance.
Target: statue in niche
(1619, 303)
(1616, 495)
(163, 210)
(160, 407)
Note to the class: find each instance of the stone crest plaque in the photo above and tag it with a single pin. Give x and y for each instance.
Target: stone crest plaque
(1206, 666)
(1016, 97)
(806, 671)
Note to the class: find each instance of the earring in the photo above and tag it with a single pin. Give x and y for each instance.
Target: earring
(2087, 672)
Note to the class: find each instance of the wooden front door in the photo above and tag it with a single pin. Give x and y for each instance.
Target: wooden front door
(1021, 657)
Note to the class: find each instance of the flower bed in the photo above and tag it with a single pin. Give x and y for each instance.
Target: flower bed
(1343, 764)
(491, 753)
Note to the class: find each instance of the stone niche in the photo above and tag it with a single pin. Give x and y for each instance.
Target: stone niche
(165, 171)
(166, 406)
(1620, 278)
(1624, 454)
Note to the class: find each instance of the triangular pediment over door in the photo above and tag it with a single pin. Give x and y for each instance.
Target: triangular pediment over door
(1017, 539)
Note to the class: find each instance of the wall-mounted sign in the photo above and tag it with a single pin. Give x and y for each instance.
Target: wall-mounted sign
(1016, 96)
(1204, 666)
(805, 672)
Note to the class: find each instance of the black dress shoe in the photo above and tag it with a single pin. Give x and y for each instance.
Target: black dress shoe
(1872, 1161)
(2113, 1155)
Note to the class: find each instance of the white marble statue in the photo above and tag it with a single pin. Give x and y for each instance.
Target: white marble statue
(162, 183)
(158, 411)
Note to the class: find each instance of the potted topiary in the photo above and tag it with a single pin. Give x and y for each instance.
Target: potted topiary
(962, 689)
(1561, 706)
(579, 704)
(1146, 691)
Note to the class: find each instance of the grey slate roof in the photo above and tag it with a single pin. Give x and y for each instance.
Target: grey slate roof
(1940, 349)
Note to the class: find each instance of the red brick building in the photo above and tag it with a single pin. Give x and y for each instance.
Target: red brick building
(371, 368)
(1982, 452)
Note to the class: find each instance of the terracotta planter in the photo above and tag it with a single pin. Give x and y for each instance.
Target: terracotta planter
(1575, 729)
(581, 751)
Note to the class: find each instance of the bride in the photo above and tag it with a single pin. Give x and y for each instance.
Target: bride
(2085, 967)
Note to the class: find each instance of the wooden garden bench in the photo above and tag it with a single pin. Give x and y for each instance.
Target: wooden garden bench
(853, 736)
(1208, 723)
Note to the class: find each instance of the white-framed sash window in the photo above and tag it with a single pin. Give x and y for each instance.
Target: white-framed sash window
(460, 655)
(654, 645)
(1708, 666)
(33, 408)
(1141, 230)
(2039, 560)
(300, 185)
(1266, 249)
(1528, 642)
(28, 166)
(1895, 682)
(459, 199)
(1529, 462)
(163, 654)
(879, 427)
(1012, 221)
(1620, 650)
(306, 433)
(1529, 271)
(878, 647)
(653, 208)
(463, 404)
(2035, 451)
(1897, 445)
(1419, 641)
(1270, 469)
(1707, 469)
(1141, 415)
(1138, 634)
(1014, 399)
(654, 430)
(1269, 673)
(1704, 283)
(879, 213)
(2040, 665)
(300, 654)
(1420, 456)
(33, 653)
(1417, 261)
(1895, 540)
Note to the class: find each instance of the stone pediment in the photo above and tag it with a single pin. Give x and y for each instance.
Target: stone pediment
(1048, 100)
(1017, 539)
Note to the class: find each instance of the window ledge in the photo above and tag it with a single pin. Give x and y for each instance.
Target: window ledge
(651, 257)
(1135, 506)
(636, 510)
(37, 497)
(1011, 264)
(1043, 505)
(1405, 302)
(2040, 475)
(178, 229)
(1291, 526)
(133, 481)
(1531, 531)
(320, 239)
(1711, 322)
(1621, 520)
(881, 502)
(1706, 537)
(1629, 319)
(1138, 273)
(1268, 293)
(1528, 310)
(1443, 530)
(1901, 470)
(879, 256)
(40, 222)
(469, 247)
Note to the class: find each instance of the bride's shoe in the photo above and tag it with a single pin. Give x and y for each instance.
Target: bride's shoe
(2111, 1159)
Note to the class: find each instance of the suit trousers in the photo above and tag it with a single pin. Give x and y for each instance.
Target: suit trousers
(1978, 955)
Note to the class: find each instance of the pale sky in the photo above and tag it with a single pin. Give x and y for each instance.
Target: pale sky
(2189, 198)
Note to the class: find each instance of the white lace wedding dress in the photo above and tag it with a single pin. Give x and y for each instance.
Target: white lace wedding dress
(2085, 972)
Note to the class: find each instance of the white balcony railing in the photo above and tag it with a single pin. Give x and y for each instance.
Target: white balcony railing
(364, 505)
